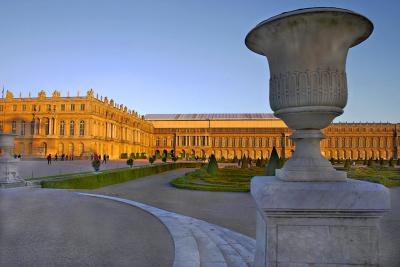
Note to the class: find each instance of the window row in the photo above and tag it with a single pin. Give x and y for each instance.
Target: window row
(47, 107)
(49, 127)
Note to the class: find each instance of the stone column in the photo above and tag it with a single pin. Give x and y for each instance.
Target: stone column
(309, 214)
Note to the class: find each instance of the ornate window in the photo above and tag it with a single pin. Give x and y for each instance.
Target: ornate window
(22, 127)
(260, 142)
(72, 128)
(82, 128)
(72, 107)
(14, 127)
(62, 127)
(267, 142)
(164, 141)
(157, 142)
(32, 127)
(82, 107)
(47, 126)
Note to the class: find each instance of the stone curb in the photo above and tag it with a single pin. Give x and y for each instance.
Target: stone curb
(199, 243)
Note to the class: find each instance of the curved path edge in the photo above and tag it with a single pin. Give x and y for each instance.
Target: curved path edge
(199, 243)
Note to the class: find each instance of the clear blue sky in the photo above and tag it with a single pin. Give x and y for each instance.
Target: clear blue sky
(180, 56)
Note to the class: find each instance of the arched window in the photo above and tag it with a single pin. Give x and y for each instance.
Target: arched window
(22, 127)
(82, 128)
(72, 128)
(32, 127)
(62, 127)
(14, 127)
(47, 126)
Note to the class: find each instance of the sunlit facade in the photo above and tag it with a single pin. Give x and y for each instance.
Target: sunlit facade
(85, 125)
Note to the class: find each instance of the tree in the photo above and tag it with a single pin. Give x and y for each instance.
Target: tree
(212, 166)
(273, 163)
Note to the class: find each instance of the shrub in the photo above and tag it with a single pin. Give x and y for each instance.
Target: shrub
(124, 155)
(273, 163)
(143, 155)
(152, 159)
(212, 166)
(132, 156)
(129, 162)
(164, 158)
(391, 164)
(137, 155)
(174, 158)
(258, 162)
(96, 165)
(245, 163)
(347, 164)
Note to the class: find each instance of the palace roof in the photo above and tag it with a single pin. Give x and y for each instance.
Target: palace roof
(211, 116)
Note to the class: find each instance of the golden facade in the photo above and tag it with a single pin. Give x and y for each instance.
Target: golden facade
(76, 126)
(84, 125)
(254, 135)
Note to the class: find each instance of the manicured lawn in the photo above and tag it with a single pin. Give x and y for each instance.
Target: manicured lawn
(229, 179)
(389, 177)
(232, 179)
(101, 179)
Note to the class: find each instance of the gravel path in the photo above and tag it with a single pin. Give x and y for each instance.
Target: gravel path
(235, 211)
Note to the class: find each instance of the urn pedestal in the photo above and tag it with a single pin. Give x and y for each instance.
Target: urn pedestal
(9, 176)
(309, 214)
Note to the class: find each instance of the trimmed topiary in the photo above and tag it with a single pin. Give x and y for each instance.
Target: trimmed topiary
(212, 166)
(245, 163)
(129, 162)
(273, 163)
(347, 164)
(96, 165)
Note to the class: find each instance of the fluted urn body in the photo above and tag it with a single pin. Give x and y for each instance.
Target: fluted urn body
(306, 51)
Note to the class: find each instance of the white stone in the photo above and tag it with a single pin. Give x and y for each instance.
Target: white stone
(9, 176)
(318, 223)
(306, 51)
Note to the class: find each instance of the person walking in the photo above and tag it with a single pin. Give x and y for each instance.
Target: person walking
(48, 159)
(104, 159)
(56, 157)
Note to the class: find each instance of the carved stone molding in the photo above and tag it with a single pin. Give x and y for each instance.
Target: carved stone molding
(321, 87)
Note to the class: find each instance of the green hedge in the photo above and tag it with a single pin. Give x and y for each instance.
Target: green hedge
(96, 180)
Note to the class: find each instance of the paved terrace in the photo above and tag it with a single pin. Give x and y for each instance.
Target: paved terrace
(58, 227)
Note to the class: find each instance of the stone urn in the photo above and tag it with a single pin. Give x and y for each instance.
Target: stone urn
(306, 51)
(9, 176)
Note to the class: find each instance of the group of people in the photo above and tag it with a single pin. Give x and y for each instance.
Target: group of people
(103, 158)
(63, 157)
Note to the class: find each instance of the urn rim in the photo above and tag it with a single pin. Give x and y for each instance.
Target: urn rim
(311, 10)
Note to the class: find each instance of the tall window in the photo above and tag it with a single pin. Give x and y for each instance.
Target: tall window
(47, 126)
(22, 127)
(72, 107)
(226, 142)
(49, 107)
(24, 107)
(157, 142)
(1, 126)
(32, 127)
(233, 142)
(1, 108)
(14, 107)
(164, 142)
(14, 127)
(267, 142)
(62, 128)
(240, 141)
(82, 128)
(62, 107)
(82, 107)
(260, 143)
(72, 128)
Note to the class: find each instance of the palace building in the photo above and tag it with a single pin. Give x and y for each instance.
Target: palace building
(85, 125)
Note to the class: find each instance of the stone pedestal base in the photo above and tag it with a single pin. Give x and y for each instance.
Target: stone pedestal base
(318, 223)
